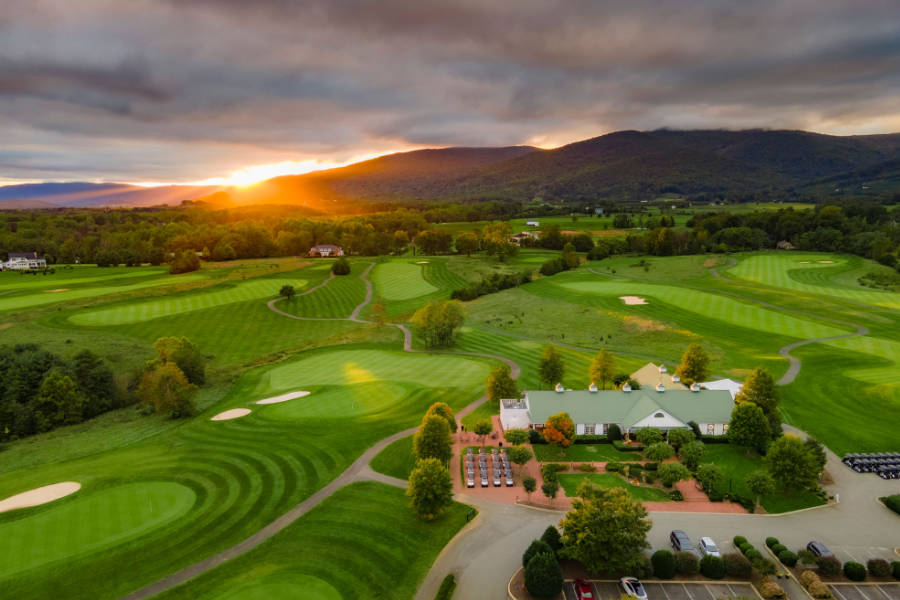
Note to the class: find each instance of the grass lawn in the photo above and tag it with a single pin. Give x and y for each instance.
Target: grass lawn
(738, 462)
(570, 483)
(396, 459)
(583, 453)
(362, 542)
(396, 280)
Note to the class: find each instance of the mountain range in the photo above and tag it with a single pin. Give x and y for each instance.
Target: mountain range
(622, 166)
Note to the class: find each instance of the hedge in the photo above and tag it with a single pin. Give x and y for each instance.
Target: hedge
(686, 563)
(623, 447)
(445, 592)
(895, 569)
(663, 562)
(651, 466)
(787, 558)
(854, 571)
(778, 548)
(592, 439)
(738, 540)
(829, 565)
(712, 567)
(892, 502)
(676, 495)
(771, 542)
(737, 565)
(878, 567)
(714, 439)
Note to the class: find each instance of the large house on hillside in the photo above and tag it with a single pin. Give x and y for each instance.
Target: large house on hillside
(593, 411)
(21, 261)
(326, 250)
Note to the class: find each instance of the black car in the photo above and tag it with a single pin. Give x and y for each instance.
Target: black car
(819, 549)
(681, 542)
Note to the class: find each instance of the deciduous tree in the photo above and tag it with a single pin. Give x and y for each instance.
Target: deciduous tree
(694, 365)
(432, 440)
(341, 266)
(680, 437)
(467, 243)
(550, 489)
(438, 321)
(482, 428)
(516, 437)
(648, 435)
(184, 354)
(606, 530)
(791, 464)
(602, 368)
(59, 402)
(559, 430)
(669, 473)
(167, 390)
(529, 484)
(519, 455)
(659, 451)
(759, 388)
(759, 483)
(709, 476)
(430, 488)
(692, 453)
(443, 409)
(551, 367)
(287, 292)
(500, 384)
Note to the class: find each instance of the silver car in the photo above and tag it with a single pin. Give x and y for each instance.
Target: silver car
(708, 547)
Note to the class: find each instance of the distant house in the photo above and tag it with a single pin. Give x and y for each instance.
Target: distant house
(784, 245)
(326, 250)
(651, 375)
(533, 223)
(598, 211)
(518, 237)
(21, 261)
(594, 411)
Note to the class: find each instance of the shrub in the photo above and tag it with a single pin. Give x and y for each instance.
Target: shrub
(686, 563)
(737, 565)
(715, 495)
(771, 542)
(738, 540)
(614, 433)
(806, 557)
(448, 585)
(543, 577)
(536, 547)
(895, 569)
(549, 471)
(808, 577)
(778, 548)
(535, 437)
(745, 547)
(787, 558)
(819, 590)
(587, 468)
(648, 435)
(614, 467)
(676, 495)
(753, 554)
(763, 565)
(650, 477)
(771, 590)
(669, 473)
(552, 538)
(829, 566)
(663, 564)
(623, 447)
(892, 502)
(659, 451)
(341, 266)
(712, 567)
(651, 466)
(854, 571)
(642, 567)
(878, 567)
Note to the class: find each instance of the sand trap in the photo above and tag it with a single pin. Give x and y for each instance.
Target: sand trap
(57, 290)
(630, 300)
(282, 398)
(826, 262)
(234, 413)
(804, 262)
(422, 262)
(41, 495)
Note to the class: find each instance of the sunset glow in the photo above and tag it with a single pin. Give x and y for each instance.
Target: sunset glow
(248, 176)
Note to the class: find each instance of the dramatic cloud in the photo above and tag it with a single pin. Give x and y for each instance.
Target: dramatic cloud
(166, 90)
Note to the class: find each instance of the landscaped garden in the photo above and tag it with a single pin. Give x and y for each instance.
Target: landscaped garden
(571, 481)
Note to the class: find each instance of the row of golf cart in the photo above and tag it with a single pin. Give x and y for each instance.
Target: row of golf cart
(500, 473)
(884, 464)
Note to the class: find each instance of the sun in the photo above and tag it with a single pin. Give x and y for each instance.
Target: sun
(248, 176)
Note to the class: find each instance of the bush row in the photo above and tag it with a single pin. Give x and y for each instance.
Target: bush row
(892, 502)
(491, 284)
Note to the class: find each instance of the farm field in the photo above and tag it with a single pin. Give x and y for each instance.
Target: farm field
(323, 552)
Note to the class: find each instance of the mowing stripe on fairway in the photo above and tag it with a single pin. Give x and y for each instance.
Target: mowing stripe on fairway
(136, 312)
(711, 306)
(12, 280)
(401, 281)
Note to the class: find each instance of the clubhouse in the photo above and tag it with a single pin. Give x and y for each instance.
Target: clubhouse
(326, 250)
(23, 261)
(593, 410)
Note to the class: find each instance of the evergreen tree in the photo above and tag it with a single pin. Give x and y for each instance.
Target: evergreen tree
(749, 426)
(543, 577)
(759, 388)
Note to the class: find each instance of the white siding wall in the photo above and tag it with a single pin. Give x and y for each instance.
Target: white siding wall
(579, 429)
(712, 428)
(666, 421)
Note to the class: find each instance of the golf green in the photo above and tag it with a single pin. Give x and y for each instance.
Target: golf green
(401, 281)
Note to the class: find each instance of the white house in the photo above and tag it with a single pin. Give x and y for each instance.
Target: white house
(731, 385)
(326, 250)
(533, 223)
(21, 261)
(594, 411)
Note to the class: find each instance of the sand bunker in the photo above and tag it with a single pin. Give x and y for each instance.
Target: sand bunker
(804, 262)
(826, 262)
(421, 262)
(282, 398)
(57, 290)
(630, 300)
(41, 495)
(234, 413)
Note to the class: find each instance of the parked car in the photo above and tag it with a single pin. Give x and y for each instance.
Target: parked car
(708, 547)
(497, 481)
(681, 542)
(484, 479)
(633, 588)
(819, 549)
(470, 481)
(509, 480)
(583, 590)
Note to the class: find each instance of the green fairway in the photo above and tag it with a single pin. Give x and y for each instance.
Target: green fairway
(570, 485)
(335, 300)
(737, 462)
(396, 459)
(361, 542)
(401, 281)
(825, 274)
(79, 274)
(90, 522)
(136, 312)
(583, 453)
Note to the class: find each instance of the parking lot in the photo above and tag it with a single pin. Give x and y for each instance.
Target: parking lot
(861, 554)
(672, 590)
(886, 591)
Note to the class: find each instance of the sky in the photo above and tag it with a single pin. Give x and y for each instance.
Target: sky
(231, 91)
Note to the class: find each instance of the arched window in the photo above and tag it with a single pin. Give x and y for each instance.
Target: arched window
(659, 415)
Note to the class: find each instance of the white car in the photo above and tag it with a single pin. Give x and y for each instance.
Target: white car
(708, 547)
(633, 588)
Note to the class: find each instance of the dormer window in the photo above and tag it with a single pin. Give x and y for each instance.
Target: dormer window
(592, 388)
(695, 387)
(559, 388)
(676, 379)
(662, 369)
(626, 388)
(660, 387)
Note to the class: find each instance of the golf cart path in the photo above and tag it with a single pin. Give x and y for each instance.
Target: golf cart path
(795, 364)
(359, 470)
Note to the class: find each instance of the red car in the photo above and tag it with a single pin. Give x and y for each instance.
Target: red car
(583, 590)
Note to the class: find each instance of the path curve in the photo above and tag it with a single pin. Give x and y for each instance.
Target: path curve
(359, 470)
(795, 364)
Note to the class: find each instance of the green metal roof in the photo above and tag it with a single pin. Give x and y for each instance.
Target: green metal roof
(628, 408)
